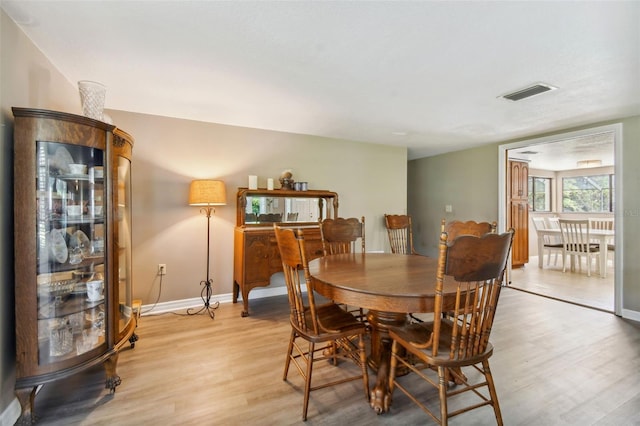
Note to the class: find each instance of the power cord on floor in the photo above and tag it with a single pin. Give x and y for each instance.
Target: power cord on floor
(157, 301)
(157, 298)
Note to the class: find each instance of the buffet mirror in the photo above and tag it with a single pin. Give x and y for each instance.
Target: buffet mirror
(262, 207)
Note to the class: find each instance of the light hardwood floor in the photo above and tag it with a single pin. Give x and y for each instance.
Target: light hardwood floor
(575, 287)
(554, 364)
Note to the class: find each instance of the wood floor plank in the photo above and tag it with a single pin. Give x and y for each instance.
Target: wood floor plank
(554, 364)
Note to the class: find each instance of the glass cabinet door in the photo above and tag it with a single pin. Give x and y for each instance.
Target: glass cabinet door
(70, 234)
(123, 242)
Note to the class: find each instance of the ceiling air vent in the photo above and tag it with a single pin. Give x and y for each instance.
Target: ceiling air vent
(536, 89)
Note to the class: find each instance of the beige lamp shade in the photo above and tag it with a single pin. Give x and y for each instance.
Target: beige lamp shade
(204, 192)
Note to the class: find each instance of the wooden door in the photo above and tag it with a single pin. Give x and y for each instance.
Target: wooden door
(518, 212)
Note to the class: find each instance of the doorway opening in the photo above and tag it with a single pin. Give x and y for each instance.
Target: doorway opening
(574, 146)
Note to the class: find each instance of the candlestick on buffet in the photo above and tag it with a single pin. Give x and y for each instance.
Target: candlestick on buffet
(253, 182)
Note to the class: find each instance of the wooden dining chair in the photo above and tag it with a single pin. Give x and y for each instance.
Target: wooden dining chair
(474, 268)
(341, 235)
(549, 244)
(270, 217)
(470, 227)
(329, 331)
(577, 244)
(399, 230)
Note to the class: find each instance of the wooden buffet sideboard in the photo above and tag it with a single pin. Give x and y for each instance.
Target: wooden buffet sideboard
(256, 256)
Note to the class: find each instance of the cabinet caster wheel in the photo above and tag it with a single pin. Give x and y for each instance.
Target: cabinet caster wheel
(132, 340)
(112, 383)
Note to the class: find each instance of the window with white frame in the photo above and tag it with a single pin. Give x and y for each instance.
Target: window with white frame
(593, 194)
(539, 194)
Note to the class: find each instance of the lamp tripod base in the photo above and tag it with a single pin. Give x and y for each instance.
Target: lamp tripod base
(205, 294)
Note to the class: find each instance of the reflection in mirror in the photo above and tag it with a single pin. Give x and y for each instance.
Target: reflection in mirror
(263, 209)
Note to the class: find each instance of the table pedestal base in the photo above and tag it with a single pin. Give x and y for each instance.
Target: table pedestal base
(380, 397)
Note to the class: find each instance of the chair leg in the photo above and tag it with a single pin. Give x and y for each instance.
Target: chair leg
(307, 383)
(393, 363)
(492, 391)
(588, 264)
(287, 362)
(363, 364)
(442, 390)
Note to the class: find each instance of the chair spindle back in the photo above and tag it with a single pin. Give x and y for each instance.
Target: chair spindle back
(293, 254)
(341, 235)
(399, 229)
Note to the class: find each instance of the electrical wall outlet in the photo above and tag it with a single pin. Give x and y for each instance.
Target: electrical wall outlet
(162, 269)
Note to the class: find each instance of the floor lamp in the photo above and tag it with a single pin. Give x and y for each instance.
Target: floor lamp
(207, 194)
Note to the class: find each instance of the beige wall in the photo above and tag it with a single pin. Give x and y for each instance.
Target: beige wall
(468, 180)
(168, 153)
(465, 180)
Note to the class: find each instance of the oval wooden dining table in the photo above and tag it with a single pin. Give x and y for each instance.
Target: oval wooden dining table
(390, 286)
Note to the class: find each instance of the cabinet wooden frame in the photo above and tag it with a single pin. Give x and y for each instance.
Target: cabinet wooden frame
(256, 257)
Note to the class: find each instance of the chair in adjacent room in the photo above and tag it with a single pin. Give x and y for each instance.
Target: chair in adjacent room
(329, 331)
(602, 223)
(577, 244)
(472, 268)
(341, 235)
(550, 244)
(606, 223)
(399, 230)
(553, 222)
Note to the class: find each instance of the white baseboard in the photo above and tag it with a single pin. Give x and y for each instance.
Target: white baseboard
(11, 414)
(177, 305)
(632, 315)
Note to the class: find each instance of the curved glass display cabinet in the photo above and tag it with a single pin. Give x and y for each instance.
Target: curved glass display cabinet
(72, 198)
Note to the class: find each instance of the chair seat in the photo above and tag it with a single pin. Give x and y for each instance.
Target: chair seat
(420, 334)
(334, 321)
(559, 245)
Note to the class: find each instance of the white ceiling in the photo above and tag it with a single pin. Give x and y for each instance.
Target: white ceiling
(565, 153)
(421, 74)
